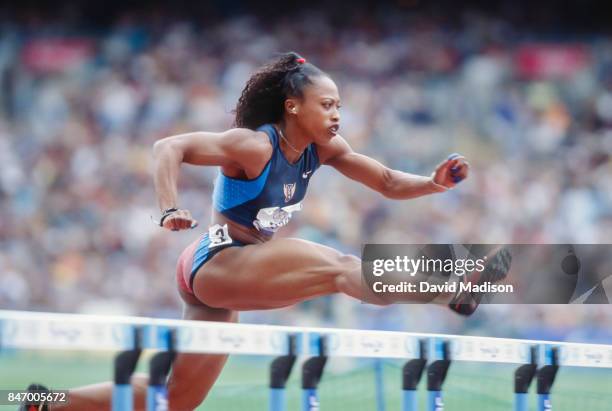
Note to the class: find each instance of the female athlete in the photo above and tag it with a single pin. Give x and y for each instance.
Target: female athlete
(287, 123)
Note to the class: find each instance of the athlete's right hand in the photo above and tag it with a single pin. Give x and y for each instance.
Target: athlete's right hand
(179, 220)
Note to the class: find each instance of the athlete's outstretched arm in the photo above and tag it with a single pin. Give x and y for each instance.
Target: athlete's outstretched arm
(391, 183)
(235, 149)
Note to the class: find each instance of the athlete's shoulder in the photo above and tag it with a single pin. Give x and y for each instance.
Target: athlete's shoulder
(337, 146)
(243, 135)
(250, 142)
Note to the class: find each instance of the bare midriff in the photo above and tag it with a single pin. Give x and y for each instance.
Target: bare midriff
(238, 232)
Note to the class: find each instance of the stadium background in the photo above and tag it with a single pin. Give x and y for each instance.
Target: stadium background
(523, 90)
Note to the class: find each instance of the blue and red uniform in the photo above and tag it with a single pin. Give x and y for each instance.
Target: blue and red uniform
(265, 202)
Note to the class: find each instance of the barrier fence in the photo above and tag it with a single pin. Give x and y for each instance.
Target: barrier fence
(430, 354)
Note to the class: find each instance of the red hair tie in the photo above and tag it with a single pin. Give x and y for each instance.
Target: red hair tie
(301, 60)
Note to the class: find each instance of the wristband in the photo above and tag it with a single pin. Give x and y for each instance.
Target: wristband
(165, 214)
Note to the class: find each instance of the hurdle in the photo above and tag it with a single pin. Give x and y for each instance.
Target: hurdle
(411, 375)
(49, 331)
(436, 373)
(159, 367)
(523, 376)
(312, 370)
(125, 364)
(280, 369)
(546, 377)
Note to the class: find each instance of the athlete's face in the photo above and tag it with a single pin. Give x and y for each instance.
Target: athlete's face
(317, 112)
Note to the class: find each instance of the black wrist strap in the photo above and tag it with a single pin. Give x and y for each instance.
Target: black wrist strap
(165, 214)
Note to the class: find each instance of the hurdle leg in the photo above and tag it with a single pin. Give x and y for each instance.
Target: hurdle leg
(546, 378)
(436, 374)
(312, 370)
(159, 367)
(411, 375)
(125, 364)
(379, 381)
(280, 369)
(522, 380)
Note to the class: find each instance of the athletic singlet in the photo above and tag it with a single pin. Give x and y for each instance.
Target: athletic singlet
(267, 201)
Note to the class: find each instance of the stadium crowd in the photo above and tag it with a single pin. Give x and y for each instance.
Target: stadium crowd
(80, 110)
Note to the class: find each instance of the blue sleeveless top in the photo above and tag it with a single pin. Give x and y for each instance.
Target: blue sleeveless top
(268, 200)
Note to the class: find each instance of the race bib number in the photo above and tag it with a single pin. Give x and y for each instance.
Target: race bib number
(218, 235)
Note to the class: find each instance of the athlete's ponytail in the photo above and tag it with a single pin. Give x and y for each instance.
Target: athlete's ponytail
(263, 98)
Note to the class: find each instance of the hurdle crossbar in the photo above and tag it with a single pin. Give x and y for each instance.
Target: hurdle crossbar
(48, 331)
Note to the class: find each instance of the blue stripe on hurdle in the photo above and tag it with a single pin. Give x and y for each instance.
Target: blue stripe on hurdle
(409, 400)
(123, 399)
(310, 400)
(435, 402)
(314, 344)
(277, 399)
(157, 398)
(380, 385)
(544, 402)
(521, 402)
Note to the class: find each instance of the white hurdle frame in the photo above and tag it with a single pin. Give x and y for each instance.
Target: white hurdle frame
(39, 330)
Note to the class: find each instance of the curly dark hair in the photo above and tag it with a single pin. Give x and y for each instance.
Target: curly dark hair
(263, 98)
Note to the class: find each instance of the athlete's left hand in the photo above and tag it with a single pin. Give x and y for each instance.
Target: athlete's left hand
(452, 171)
